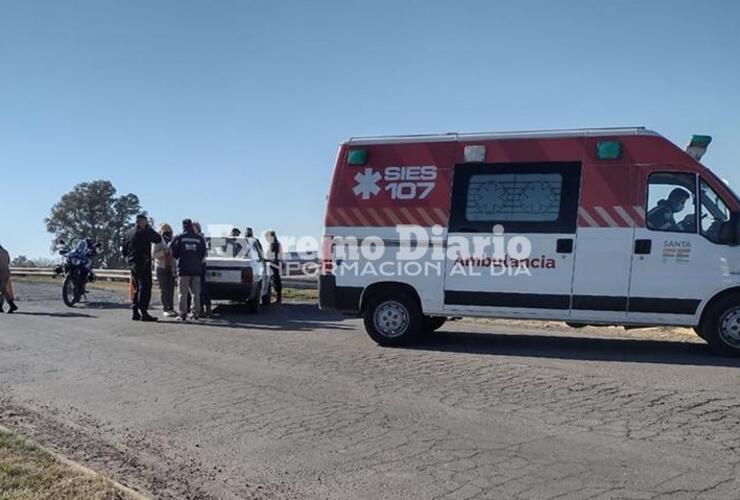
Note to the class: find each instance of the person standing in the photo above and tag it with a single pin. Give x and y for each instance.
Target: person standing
(6, 289)
(275, 258)
(189, 248)
(205, 300)
(137, 249)
(252, 241)
(166, 270)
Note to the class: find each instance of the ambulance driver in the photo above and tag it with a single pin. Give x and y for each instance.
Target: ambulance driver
(662, 216)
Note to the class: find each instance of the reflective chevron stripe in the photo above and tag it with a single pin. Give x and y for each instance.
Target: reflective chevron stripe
(616, 216)
(377, 217)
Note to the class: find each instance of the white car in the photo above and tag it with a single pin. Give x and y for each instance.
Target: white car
(236, 270)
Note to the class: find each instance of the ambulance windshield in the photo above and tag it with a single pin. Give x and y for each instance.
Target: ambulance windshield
(714, 212)
(725, 184)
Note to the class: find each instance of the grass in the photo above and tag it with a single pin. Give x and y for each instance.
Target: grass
(302, 295)
(28, 472)
(289, 294)
(98, 285)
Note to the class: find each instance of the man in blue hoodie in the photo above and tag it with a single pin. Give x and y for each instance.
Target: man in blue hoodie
(189, 249)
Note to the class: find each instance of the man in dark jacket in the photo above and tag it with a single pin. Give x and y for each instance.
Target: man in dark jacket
(275, 258)
(137, 249)
(189, 249)
(662, 216)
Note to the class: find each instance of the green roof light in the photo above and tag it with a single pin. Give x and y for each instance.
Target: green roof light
(357, 157)
(701, 141)
(608, 150)
(698, 146)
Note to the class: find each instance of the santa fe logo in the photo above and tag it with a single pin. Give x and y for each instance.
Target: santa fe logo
(403, 183)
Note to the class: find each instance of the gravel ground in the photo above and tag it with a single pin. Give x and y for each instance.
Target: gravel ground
(298, 403)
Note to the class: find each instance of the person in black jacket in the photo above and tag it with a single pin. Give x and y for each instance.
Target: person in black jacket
(663, 216)
(189, 249)
(275, 258)
(137, 249)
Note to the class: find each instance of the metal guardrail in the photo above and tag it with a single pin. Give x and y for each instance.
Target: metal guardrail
(122, 275)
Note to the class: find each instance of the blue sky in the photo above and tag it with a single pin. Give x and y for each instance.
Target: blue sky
(232, 111)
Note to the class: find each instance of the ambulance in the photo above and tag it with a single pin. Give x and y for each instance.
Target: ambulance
(614, 226)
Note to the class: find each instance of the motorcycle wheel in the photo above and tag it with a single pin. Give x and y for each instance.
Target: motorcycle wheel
(69, 294)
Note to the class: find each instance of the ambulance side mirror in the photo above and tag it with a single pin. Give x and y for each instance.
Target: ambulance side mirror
(729, 232)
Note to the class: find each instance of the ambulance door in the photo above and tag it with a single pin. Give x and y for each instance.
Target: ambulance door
(607, 216)
(511, 239)
(677, 259)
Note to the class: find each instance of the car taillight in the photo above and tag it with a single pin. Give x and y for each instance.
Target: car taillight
(247, 275)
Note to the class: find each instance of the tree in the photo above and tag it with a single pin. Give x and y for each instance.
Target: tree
(22, 261)
(92, 210)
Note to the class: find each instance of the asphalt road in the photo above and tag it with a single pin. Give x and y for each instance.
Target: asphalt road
(298, 403)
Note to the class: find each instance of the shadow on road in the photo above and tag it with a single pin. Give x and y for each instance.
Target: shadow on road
(282, 317)
(576, 348)
(55, 314)
(104, 305)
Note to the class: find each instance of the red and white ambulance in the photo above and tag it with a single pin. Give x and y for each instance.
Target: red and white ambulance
(598, 226)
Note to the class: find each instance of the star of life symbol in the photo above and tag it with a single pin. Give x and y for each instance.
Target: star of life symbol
(367, 183)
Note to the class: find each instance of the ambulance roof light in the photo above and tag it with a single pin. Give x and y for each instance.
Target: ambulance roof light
(698, 146)
(357, 157)
(474, 154)
(608, 150)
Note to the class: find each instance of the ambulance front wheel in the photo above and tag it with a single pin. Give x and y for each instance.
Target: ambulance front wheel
(394, 319)
(721, 328)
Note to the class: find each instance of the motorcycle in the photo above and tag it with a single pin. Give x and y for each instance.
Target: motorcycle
(77, 270)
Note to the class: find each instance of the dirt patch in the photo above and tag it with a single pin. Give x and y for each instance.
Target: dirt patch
(652, 333)
(29, 472)
(136, 464)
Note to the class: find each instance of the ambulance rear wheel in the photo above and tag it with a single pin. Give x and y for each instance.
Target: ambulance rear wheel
(394, 319)
(721, 328)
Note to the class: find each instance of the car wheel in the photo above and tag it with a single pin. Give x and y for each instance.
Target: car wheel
(255, 305)
(394, 319)
(433, 323)
(721, 326)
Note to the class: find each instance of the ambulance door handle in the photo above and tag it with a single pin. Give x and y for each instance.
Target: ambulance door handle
(564, 245)
(643, 247)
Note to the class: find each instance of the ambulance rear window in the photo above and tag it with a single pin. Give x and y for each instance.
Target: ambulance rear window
(523, 197)
(514, 197)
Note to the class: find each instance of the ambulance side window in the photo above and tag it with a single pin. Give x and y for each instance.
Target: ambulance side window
(672, 202)
(714, 212)
(522, 197)
(514, 197)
